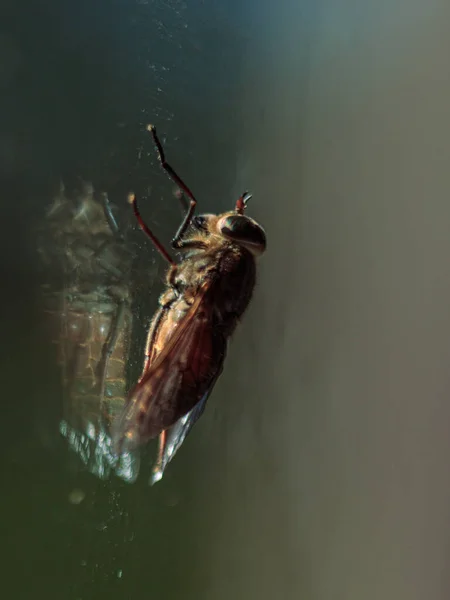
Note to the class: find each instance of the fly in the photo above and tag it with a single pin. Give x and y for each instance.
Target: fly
(208, 289)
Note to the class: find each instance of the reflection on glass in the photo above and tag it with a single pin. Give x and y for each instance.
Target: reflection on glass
(87, 296)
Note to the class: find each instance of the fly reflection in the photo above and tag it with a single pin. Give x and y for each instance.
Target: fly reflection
(88, 301)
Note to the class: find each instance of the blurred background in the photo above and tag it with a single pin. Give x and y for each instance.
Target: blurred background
(320, 468)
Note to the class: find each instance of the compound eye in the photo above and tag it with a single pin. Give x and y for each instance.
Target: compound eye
(245, 231)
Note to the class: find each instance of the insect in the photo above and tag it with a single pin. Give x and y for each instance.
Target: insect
(208, 290)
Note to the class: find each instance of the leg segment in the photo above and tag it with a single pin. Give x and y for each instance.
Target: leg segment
(146, 229)
(180, 183)
(167, 168)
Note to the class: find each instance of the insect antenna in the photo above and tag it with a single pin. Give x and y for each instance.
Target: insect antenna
(242, 202)
(146, 229)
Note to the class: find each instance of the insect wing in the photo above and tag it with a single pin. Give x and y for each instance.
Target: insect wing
(185, 364)
(178, 433)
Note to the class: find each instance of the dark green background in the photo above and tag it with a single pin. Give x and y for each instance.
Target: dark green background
(321, 468)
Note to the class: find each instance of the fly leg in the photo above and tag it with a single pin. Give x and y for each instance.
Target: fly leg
(180, 183)
(179, 194)
(177, 241)
(167, 168)
(148, 232)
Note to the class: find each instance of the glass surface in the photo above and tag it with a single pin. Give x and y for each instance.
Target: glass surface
(320, 468)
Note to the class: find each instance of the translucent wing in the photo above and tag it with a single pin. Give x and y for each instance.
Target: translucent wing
(178, 433)
(177, 380)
